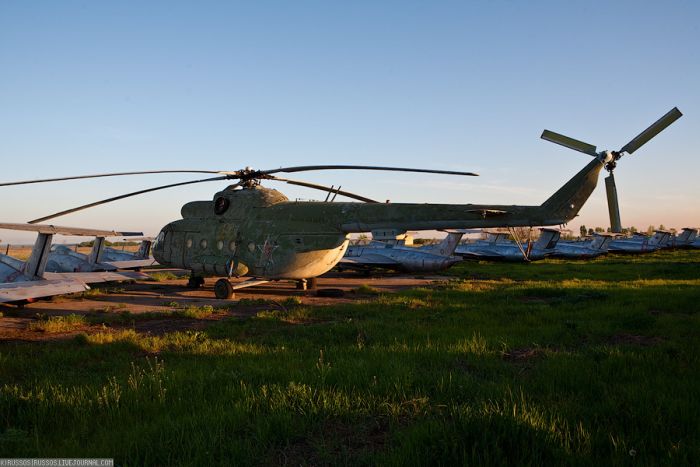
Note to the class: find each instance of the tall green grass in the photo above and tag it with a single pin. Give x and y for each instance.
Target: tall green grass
(548, 363)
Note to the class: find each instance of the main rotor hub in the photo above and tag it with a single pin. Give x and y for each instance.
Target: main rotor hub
(609, 159)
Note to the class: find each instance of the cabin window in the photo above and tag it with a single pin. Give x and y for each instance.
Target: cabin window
(203, 244)
(220, 245)
(189, 243)
(221, 205)
(232, 246)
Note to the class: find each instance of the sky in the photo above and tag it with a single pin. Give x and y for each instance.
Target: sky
(93, 87)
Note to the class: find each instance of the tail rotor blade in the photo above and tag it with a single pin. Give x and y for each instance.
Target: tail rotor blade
(570, 143)
(655, 128)
(613, 205)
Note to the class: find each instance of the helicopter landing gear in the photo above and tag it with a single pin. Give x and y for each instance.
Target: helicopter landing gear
(307, 284)
(195, 282)
(223, 289)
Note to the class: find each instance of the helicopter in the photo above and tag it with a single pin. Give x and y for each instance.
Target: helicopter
(254, 231)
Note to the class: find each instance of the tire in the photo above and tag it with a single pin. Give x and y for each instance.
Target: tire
(223, 289)
(311, 283)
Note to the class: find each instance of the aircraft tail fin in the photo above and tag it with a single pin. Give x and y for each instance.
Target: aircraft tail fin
(144, 249)
(659, 238)
(97, 249)
(447, 246)
(36, 264)
(687, 235)
(548, 239)
(565, 204)
(601, 242)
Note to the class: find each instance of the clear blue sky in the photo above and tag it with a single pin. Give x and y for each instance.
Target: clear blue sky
(91, 87)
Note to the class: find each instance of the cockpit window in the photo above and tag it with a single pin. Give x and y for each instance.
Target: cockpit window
(221, 205)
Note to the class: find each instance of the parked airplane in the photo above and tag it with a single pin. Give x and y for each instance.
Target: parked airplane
(639, 243)
(429, 258)
(596, 246)
(127, 259)
(686, 238)
(500, 248)
(26, 280)
(64, 259)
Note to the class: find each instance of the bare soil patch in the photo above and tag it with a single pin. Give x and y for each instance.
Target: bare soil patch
(154, 297)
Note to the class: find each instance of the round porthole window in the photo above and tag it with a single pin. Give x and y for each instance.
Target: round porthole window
(189, 243)
(232, 246)
(251, 247)
(220, 245)
(221, 205)
(203, 243)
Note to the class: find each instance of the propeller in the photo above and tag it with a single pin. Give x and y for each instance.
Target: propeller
(610, 158)
(248, 177)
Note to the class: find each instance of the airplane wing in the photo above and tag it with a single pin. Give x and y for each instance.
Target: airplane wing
(95, 277)
(18, 291)
(133, 263)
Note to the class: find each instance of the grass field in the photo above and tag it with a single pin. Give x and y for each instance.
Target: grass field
(546, 363)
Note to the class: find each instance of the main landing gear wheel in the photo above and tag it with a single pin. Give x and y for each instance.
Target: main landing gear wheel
(223, 289)
(311, 283)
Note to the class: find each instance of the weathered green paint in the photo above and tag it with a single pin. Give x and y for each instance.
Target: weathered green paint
(263, 234)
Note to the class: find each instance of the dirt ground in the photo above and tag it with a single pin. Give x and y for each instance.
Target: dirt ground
(149, 296)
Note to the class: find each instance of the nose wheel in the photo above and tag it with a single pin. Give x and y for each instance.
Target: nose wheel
(223, 289)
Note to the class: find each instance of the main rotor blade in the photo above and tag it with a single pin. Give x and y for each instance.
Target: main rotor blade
(306, 168)
(613, 205)
(655, 128)
(569, 142)
(324, 188)
(118, 174)
(116, 198)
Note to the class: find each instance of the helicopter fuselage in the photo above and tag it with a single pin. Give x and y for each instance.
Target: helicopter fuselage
(259, 232)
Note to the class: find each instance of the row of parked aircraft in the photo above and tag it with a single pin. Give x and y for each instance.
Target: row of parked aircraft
(394, 253)
(57, 269)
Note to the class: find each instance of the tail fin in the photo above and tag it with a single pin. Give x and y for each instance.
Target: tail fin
(548, 239)
(144, 249)
(447, 246)
(600, 242)
(659, 238)
(36, 264)
(687, 235)
(563, 205)
(97, 249)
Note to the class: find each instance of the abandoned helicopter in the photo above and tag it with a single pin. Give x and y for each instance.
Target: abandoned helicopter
(249, 230)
